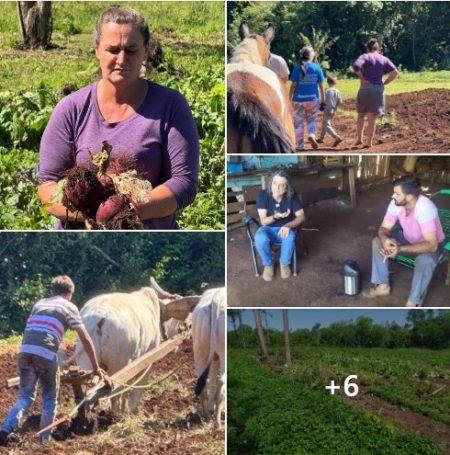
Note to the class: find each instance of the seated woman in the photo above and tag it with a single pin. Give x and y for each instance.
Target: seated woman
(146, 123)
(280, 212)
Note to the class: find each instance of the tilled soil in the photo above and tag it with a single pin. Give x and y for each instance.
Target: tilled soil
(405, 419)
(166, 423)
(414, 122)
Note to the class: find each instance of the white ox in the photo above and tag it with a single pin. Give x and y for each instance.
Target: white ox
(208, 333)
(123, 327)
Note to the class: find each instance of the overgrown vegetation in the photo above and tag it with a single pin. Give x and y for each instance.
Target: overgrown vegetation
(415, 35)
(193, 64)
(100, 263)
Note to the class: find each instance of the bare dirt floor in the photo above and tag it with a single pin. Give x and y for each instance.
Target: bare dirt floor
(166, 422)
(413, 122)
(342, 234)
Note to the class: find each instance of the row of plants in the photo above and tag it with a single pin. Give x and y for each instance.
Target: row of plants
(270, 413)
(407, 377)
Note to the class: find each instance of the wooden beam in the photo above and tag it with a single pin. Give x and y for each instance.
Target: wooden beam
(134, 368)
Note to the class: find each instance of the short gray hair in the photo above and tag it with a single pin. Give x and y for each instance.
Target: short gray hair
(62, 285)
(122, 15)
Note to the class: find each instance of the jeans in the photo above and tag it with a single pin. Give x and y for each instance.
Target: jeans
(424, 266)
(266, 236)
(32, 369)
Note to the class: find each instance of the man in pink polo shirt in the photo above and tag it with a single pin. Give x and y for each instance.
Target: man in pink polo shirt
(421, 235)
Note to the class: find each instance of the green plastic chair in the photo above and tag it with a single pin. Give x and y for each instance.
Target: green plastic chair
(444, 215)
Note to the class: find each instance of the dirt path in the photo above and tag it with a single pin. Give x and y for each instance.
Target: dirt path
(414, 122)
(165, 424)
(405, 419)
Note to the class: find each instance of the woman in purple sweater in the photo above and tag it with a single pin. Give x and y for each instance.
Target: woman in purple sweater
(370, 68)
(144, 121)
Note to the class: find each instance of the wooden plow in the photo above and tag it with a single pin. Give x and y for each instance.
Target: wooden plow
(87, 400)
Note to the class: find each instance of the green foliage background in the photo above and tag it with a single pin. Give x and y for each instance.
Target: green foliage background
(415, 35)
(192, 38)
(100, 262)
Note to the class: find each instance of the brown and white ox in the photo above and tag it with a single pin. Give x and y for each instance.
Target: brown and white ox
(259, 113)
(123, 327)
(208, 333)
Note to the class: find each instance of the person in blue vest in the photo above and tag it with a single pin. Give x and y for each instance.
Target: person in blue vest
(38, 355)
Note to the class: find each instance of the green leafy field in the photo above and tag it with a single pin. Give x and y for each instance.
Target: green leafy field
(269, 412)
(407, 377)
(192, 38)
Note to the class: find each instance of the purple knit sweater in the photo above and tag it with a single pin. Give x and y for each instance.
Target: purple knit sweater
(161, 137)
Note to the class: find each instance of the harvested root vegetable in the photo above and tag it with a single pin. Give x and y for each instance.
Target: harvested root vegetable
(104, 192)
(83, 190)
(117, 213)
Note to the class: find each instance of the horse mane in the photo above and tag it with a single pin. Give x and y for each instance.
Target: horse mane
(247, 52)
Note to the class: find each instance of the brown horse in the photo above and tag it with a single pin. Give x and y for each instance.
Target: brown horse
(259, 114)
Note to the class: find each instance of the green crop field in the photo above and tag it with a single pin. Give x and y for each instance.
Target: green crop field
(286, 409)
(192, 39)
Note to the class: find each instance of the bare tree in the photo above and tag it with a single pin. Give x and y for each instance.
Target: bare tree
(287, 341)
(260, 332)
(36, 25)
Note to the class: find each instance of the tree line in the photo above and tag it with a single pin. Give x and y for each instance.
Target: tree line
(414, 35)
(423, 328)
(100, 262)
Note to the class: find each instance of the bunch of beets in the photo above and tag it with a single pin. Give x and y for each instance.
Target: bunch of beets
(92, 191)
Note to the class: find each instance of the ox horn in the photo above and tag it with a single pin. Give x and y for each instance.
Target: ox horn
(160, 291)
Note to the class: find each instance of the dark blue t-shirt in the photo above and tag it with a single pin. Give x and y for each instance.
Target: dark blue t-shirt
(264, 200)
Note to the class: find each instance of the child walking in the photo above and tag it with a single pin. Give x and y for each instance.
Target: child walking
(332, 101)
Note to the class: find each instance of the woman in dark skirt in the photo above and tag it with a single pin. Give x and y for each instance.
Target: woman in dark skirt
(370, 68)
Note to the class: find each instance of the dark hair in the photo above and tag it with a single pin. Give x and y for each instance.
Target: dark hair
(121, 15)
(62, 285)
(373, 45)
(409, 183)
(331, 78)
(305, 54)
(281, 173)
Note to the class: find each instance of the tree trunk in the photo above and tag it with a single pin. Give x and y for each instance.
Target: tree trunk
(287, 341)
(36, 23)
(260, 332)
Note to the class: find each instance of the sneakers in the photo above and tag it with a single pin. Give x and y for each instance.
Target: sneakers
(3, 438)
(313, 142)
(285, 271)
(319, 141)
(337, 141)
(268, 273)
(376, 291)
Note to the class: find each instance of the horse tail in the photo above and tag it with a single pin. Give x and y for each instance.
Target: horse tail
(257, 122)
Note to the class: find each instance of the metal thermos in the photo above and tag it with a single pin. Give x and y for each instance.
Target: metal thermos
(351, 276)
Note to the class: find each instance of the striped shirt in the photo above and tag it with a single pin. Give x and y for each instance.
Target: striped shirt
(48, 321)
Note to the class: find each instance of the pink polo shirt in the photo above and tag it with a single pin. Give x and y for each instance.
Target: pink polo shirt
(423, 219)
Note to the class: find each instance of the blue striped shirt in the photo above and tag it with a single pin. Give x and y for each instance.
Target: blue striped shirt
(48, 321)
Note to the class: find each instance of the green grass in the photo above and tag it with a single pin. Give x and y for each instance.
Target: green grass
(405, 82)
